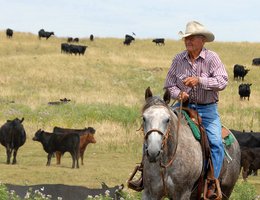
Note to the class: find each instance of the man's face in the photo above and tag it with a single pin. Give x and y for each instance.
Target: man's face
(194, 43)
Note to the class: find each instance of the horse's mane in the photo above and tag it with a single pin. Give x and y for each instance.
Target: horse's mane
(154, 100)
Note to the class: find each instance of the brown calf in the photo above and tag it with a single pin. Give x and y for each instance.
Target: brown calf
(86, 137)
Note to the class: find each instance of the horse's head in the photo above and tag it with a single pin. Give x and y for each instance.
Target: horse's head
(157, 122)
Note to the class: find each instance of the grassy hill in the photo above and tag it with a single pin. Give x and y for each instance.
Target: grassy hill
(106, 87)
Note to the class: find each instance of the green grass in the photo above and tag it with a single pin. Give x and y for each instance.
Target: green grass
(106, 87)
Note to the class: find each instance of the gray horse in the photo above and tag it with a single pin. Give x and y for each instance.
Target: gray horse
(173, 157)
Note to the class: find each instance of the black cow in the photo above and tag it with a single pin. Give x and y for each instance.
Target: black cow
(128, 39)
(76, 40)
(129, 36)
(159, 41)
(250, 160)
(62, 101)
(256, 61)
(77, 49)
(53, 142)
(45, 34)
(254, 166)
(247, 139)
(244, 91)
(86, 137)
(65, 48)
(70, 39)
(12, 136)
(240, 72)
(91, 37)
(9, 33)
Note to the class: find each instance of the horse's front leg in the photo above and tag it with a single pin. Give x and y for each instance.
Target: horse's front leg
(146, 195)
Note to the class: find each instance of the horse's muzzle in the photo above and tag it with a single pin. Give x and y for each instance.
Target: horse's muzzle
(153, 156)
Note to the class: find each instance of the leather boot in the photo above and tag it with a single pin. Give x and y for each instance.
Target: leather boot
(212, 193)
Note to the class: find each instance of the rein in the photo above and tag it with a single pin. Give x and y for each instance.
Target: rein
(164, 146)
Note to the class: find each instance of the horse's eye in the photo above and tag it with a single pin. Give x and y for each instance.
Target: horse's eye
(168, 120)
(143, 119)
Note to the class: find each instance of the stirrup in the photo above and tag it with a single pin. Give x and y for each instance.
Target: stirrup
(136, 185)
(218, 192)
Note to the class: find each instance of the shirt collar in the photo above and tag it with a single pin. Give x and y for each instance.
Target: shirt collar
(201, 55)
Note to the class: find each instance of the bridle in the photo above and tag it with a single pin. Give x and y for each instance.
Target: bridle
(164, 147)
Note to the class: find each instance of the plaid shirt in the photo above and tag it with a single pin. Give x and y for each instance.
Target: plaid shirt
(207, 66)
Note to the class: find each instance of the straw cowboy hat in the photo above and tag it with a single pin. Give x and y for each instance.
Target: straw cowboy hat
(196, 28)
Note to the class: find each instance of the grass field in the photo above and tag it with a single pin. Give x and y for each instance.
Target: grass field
(106, 87)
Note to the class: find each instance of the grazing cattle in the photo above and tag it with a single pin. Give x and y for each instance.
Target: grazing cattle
(77, 49)
(129, 36)
(86, 137)
(65, 48)
(76, 40)
(244, 91)
(53, 142)
(247, 139)
(250, 151)
(73, 49)
(70, 39)
(44, 34)
(254, 166)
(159, 41)
(62, 101)
(256, 61)
(249, 160)
(128, 39)
(9, 33)
(240, 72)
(91, 37)
(12, 136)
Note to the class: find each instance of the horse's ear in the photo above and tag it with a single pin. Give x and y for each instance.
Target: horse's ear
(148, 93)
(167, 96)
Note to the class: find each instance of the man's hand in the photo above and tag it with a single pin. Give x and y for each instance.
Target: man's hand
(183, 96)
(191, 81)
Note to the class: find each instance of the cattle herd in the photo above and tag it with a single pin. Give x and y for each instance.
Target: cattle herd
(244, 89)
(61, 140)
(250, 151)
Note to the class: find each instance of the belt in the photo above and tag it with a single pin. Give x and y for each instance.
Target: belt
(203, 104)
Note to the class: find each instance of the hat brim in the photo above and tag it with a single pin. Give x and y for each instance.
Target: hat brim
(208, 35)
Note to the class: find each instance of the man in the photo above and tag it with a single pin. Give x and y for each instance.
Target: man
(196, 76)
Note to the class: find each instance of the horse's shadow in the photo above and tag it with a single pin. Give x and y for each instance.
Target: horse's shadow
(67, 192)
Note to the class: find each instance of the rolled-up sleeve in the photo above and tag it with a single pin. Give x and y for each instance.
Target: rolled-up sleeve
(219, 77)
(171, 80)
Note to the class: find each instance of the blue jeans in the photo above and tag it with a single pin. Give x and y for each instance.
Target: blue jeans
(212, 124)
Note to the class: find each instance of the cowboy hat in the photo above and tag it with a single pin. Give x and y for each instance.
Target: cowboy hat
(196, 28)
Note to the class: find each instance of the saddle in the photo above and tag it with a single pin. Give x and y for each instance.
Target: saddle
(212, 188)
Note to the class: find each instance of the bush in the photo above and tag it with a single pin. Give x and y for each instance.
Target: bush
(5, 194)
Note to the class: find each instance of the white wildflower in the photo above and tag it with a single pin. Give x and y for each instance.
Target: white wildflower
(27, 195)
(107, 193)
